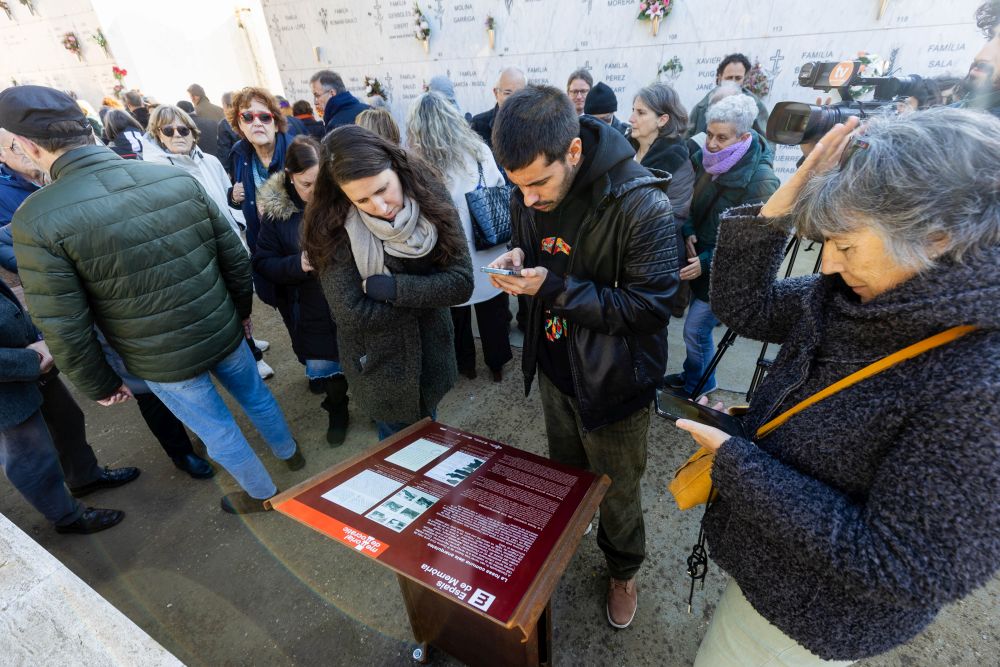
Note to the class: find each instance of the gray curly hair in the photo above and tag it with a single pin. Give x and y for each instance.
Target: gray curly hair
(740, 111)
(928, 184)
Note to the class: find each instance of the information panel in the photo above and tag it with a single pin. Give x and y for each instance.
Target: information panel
(470, 517)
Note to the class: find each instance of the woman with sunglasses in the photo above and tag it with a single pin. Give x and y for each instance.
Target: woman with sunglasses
(260, 152)
(734, 168)
(388, 244)
(171, 138)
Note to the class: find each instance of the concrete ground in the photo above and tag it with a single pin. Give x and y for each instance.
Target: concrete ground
(219, 590)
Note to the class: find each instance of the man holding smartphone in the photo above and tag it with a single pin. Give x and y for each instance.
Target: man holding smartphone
(594, 241)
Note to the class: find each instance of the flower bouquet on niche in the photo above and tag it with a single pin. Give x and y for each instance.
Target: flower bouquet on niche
(5, 8)
(756, 81)
(671, 69)
(119, 74)
(422, 29)
(373, 88)
(102, 42)
(29, 5)
(654, 11)
(72, 44)
(491, 30)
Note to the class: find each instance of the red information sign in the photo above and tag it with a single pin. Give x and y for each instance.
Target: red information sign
(467, 516)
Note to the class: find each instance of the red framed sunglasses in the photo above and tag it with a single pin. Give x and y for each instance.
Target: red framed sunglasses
(265, 117)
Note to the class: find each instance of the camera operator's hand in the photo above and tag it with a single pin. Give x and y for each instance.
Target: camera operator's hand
(825, 156)
(692, 270)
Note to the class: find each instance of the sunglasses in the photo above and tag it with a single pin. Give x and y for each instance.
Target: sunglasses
(168, 130)
(856, 145)
(263, 116)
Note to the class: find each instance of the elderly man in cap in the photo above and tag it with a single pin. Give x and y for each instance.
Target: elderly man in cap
(142, 252)
(602, 104)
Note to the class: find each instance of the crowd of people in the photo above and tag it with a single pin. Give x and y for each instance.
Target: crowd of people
(142, 232)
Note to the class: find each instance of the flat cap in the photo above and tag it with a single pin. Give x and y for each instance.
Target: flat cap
(30, 111)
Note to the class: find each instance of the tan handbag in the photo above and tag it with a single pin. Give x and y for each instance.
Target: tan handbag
(692, 483)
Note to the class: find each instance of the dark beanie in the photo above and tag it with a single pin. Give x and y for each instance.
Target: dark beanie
(600, 99)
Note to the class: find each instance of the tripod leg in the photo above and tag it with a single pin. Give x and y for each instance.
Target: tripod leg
(727, 340)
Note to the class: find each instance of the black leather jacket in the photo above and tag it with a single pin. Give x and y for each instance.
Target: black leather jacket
(617, 288)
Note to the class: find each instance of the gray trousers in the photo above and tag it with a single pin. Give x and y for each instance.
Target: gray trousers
(617, 450)
(46, 451)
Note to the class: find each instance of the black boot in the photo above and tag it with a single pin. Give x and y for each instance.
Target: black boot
(336, 404)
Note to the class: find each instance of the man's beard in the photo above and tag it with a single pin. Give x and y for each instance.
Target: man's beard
(567, 184)
(985, 84)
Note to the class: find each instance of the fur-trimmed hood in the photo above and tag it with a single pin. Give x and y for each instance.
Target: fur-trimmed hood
(275, 201)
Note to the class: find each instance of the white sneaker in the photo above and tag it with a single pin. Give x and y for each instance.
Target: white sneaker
(264, 370)
(261, 345)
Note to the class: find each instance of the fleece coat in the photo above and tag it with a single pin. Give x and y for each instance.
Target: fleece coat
(852, 524)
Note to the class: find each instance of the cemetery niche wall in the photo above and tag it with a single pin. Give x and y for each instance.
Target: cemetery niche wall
(548, 39)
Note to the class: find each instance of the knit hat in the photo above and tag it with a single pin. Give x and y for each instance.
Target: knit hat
(600, 100)
(30, 111)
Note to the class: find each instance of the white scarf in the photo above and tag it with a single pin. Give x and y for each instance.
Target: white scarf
(409, 236)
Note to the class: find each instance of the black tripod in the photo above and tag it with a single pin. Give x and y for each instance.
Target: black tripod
(763, 363)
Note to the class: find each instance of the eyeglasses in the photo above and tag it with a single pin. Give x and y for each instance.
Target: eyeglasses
(578, 93)
(182, 130)
(263, 116)
(856, 144)
(322, 95)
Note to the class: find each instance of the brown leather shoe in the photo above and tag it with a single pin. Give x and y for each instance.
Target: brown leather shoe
(623, 598)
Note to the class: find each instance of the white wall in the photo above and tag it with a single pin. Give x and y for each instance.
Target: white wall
(550, 38)
(164, 46)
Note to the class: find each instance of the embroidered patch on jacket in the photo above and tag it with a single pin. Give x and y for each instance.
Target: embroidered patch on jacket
(554, 245)
(555, 326)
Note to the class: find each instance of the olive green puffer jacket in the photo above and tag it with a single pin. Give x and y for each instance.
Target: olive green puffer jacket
(141, 251)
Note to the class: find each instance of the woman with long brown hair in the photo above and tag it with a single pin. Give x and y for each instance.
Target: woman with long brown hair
(387, 241)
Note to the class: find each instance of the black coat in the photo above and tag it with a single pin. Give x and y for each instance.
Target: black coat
(19, 366)
(672, 156)
(616, 293)
(226, 138)
(208, 135)
(298, 294)
(313, 127)
(482, 124)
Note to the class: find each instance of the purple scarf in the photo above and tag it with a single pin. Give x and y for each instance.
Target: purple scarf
(722, 161)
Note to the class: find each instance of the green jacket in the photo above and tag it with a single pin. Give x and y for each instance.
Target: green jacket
(751, 180)
(141, 251)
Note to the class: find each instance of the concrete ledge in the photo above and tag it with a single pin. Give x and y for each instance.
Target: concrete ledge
(49, 616)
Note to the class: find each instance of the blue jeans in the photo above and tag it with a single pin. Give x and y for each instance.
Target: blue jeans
(385, 429)
(317, 369)
(700, 345)
(197, 403)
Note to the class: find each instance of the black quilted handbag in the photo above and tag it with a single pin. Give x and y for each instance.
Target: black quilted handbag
(490, 211)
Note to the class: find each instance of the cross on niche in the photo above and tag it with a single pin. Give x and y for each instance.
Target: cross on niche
(775, 63)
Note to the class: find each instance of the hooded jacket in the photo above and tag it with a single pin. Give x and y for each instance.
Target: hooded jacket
(299, 296)
(749, 181)
(342, 109)
(141, 251)
(617, 288)
(852, 524)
